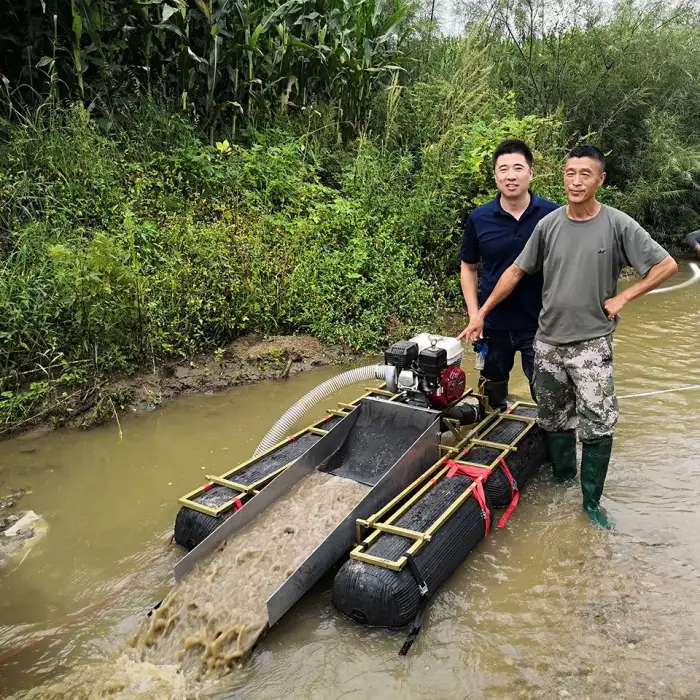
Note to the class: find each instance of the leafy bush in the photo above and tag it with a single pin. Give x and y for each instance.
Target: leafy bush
(149, 244)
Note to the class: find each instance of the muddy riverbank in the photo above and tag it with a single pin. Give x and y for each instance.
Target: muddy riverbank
(247, 360)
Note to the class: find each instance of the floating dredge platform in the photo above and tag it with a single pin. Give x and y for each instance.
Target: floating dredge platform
(428, 505)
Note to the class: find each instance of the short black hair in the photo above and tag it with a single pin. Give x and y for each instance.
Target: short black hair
(512, 146)
(587, 150)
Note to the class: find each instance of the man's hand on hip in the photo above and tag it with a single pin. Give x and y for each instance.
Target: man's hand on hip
(614, 305)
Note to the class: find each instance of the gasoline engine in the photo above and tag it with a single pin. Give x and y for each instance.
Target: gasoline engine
(426, 369)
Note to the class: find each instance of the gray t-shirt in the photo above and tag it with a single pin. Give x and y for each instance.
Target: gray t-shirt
(581, 262)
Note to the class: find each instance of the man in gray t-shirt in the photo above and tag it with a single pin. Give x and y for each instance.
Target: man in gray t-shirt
(581, 262)
(581, 249)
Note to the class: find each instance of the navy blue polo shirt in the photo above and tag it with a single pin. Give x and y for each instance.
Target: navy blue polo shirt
(494, 237)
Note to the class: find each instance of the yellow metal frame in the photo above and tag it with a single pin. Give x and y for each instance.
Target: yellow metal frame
(453, 425)
(244, 492)
(415, 491)
(494, 445)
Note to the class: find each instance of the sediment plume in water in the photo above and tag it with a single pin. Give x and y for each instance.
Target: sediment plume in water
(121, 679)
(211, 619)
(214, 616)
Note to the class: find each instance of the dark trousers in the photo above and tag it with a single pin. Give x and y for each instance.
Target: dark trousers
(500, 357)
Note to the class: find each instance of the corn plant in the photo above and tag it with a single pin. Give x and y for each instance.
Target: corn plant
(218, 60)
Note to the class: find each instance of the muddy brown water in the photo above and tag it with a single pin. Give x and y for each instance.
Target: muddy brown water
(547, 608)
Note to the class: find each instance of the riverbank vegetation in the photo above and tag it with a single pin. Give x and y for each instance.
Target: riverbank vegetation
(176, 174)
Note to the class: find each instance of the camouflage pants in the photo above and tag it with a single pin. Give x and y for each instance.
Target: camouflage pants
(574, 385)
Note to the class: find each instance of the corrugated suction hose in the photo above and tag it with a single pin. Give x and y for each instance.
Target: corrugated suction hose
(282, 427)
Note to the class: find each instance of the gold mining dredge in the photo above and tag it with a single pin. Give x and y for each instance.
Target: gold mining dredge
(428, 504)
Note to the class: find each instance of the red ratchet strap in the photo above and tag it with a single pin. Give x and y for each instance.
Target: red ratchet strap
(451, 464)
(468, 470)
(478, 492)
(513, 489)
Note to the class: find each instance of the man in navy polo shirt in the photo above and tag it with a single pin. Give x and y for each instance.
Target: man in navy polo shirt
(495, 234)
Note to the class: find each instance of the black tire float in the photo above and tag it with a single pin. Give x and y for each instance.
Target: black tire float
(376, 593)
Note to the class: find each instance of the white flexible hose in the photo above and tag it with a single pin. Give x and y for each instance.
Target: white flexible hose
(281, 428)
(696, 277)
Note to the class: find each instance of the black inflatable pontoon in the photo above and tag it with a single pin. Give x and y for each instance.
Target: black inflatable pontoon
(418, 540)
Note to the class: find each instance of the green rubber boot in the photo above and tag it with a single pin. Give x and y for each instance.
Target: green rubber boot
(594, 468)
(562, 453)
